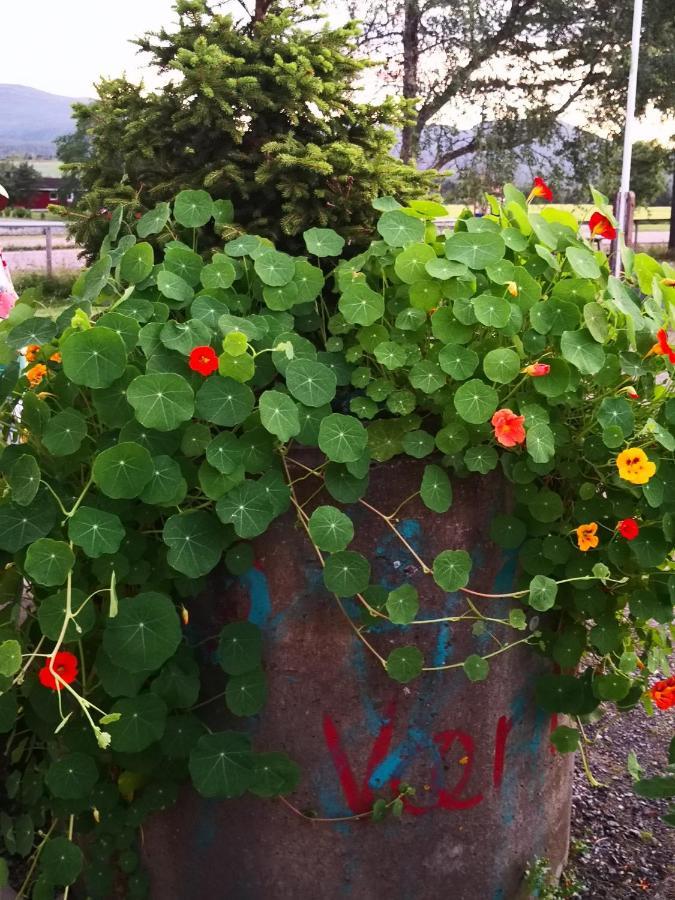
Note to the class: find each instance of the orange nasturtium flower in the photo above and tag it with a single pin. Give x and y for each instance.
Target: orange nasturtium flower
(635, 466)
(512, 288)
(508, 428)
(55, 357)
(587, 537)
(540, 189)
(663, 693)
(36, 374)
(536, 370)
(601, 227)
(662, 347)
(31, 352)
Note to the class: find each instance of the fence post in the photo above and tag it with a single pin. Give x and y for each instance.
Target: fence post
(48, 246)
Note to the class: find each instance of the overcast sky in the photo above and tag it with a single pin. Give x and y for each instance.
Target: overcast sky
(65, 46)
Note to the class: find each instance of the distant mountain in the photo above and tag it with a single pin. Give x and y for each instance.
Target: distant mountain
(30, 120)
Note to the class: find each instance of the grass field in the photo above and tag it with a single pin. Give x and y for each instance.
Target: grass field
(50, 168)
(583, 210)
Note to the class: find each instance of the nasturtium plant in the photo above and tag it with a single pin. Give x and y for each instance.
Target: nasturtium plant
(157, 424)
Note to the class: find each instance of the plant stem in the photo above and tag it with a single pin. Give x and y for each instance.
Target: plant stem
(36, 856)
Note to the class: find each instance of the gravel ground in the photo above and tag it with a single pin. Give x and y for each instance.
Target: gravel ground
(621, 850)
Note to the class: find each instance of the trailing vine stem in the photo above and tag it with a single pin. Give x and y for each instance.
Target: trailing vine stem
(354, 818)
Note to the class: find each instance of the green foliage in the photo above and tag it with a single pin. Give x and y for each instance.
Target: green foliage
(131, 476)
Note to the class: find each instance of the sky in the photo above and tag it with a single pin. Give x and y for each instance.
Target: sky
(65, 46)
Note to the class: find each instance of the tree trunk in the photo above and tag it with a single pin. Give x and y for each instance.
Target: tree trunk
(671, 237)
(411, 51)
(261, 7)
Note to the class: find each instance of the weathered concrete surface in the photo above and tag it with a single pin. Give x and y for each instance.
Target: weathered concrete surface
(491, 794)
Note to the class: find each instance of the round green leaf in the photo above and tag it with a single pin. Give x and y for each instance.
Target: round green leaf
(274, 774)
(399, 229)
(173, 287)
(565, 739)
(10, 658)
(579, 348)
(543, 592)
(331, 529)
(72, 777)
(218, 275)
(612, 686)
(154, 220)
(403, 604)
(404, 664)
(20, 525)
(247, 507)
(501, 365)
(145, 632)
(61, 861)
(94, 358)
(240, 648)
(123, 471)
(183, 337)
(418, 444)
(312, 383)
(96, 531)
(540, 443)
(476, 668)
(124, 326)
(475, 249)
(436, 491)
(279, 414)
(166, 485)
(137, 263)
(274, 268)
(224, 452)
(185, 262)
(245, 694)
(451, 569)
(239, 558)
(195, 542)
(64, 432)
(583, 262)
(342, 438)
(410, 264)
(546, 506)
(494, 312)
(193, 208)
(346, 573)
(475, 401)
(23, 479)
(224, 401)
(221, 765)
(426, 376)
(52, 612)
(481, 459)
(141, 723)
(48, 562)
(508, 532)
(459, 362)
(360, 305)
(323, 242)
(161, 401)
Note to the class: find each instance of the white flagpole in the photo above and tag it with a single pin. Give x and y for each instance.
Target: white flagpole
(622, 197)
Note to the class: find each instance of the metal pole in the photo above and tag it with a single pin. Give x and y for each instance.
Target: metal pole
(48, 243)
(622, 197)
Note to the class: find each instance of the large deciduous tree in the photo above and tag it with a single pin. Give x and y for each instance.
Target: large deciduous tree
(261, 111)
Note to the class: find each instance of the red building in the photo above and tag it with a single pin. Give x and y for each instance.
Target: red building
(47, 193)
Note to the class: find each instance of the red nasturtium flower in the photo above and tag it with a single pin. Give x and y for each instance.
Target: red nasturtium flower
(508, 428)
(662, 347)
(536, 370)
(64, 664)
(601, 227)
(540, 189)
(663, 693)
(628, 528)
(203, 360)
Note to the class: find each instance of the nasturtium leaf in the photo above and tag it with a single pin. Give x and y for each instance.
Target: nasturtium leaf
(64, 432)
(137, 263)
(161, 401)
(48, 561)
(391, 355)
(508, 532)
(579, 348)
(475, 401)
(583, 262)
(451, 569)
(239, 368)
(323, 242)
(360, 305)
(245, 694)
(218, 275)
(404, 664)
(223, 212)
(331, 529)
(52, 612)
(310, 382)
(342, 438)
(173, 287)
(223, 401)
(426, 376)
(154, 220)
(193, 208)
(565, 739)
(94, 358)
(20, 525)
(399, 229)
(195, 542)
(309, 281)
(457, 361)
(23, 479)
(279, 414)
(145, 632)
(181, 733)
(183, 337)
(501, 365)
(441, 268)
(476, 668)
(182, 261)
(410, 264)
(141, 723)
(61, 861)
(542, 593)
(247, 507)
(36, 330)
(546, 506)
(616, 411)
(121, 472)
(595, 319)
(240, 648)
(346, 573)
(239, 558)
(8, 711)
(166, 485)
(435, 490)
(494, 312)
(476, 250)
(611, 686)
(224, 452)
(481, 459)
(221, 765)
(403, 604)
(96, 531)
(10, 658)
(72, 777)
(418, 444)
(274, 268)
(274, 774)
(540, 443)
(124, 326)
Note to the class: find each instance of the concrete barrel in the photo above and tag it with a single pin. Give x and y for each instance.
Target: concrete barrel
(491, 794)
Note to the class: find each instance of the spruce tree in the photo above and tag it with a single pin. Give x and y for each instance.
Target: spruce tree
(263, 113)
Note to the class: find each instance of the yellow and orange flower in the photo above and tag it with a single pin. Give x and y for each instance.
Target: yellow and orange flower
(587, 537)
(663, 693)
(36, 374)
(536, 370)
(540, 189)
(31, 352)
(635, 466)
(55, 357)
(512, 288)
(662, 346)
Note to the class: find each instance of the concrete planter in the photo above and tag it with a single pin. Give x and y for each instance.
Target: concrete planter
(491, 795)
